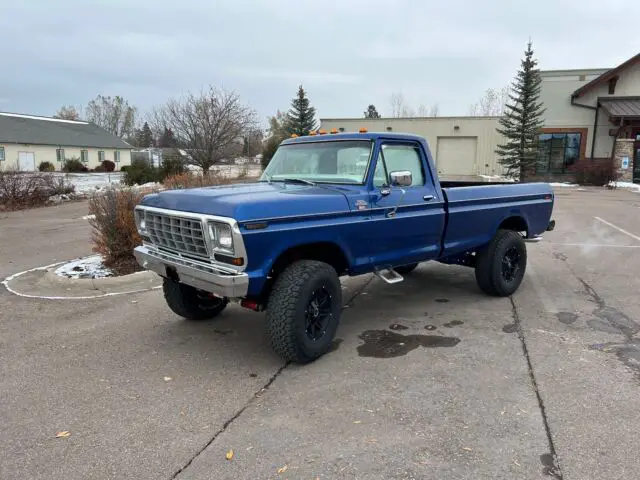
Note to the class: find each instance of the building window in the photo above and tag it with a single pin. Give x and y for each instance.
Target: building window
(84, 156)
(101, 156)
(1, 154)
(116, 156)
(557, 151)
(60, 154)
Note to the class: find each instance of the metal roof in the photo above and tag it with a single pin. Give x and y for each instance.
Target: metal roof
(622, 107)
(606, 76)
(33, 130)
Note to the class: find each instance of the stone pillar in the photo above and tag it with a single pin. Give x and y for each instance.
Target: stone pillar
(622, 150)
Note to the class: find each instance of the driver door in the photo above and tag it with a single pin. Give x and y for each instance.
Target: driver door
(413, 232)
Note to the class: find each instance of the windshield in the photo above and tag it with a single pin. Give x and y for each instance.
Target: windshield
(323, 162)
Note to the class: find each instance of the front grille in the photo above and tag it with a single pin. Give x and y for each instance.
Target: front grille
(183, 235)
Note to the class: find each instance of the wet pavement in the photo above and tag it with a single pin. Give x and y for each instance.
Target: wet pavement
(426, 379)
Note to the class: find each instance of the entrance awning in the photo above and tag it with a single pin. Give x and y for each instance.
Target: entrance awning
(622, 107)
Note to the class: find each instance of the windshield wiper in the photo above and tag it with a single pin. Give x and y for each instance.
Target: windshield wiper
(297, 180)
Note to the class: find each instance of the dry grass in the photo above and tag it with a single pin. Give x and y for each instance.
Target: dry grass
(194, 180)
(114, 233)
(20, 190)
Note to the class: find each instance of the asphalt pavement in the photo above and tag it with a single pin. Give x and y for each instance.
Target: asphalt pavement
(427, 379)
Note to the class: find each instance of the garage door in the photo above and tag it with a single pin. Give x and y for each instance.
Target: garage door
(456, 155)
(26, 161)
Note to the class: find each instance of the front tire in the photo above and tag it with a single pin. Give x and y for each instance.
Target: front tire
(191, 303)
(501, 266)
(303, 311)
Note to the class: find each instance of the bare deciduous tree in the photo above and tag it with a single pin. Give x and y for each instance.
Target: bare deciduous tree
(491, 104)
(115, 115)
(208, 124)
(434, 111)
(67, 112)
(399, 108)
(423, 110)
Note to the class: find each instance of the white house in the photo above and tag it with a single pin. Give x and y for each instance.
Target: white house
(28, 140)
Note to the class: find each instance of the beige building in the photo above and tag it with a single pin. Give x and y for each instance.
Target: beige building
(462, 147)
(591, 116)
(26, 141)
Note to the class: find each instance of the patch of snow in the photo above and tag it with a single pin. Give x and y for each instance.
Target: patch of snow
(89, 267)
(88, 217)
(497, 178)
(46, 119)
(634, 187)
(90, 182)
(563, 184)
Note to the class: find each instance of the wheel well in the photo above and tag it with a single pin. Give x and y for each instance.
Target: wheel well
(517, 224)
(326, 252)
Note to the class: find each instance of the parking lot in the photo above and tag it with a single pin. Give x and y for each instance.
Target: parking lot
(428, 379)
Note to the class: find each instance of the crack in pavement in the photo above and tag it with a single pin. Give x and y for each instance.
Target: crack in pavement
(554, 469)
(258, 394)
(231, 420)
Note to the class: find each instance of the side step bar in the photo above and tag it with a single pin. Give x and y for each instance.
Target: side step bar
(389, 275)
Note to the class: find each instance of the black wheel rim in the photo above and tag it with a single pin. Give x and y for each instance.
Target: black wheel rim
(318, 314)
(510, 264)
(208, 301)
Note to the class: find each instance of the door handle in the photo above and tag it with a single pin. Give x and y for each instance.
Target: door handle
(428, 198)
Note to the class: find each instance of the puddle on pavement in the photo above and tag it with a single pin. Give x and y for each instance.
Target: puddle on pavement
(397, 326)
(550, 469)
(510, 328)
(442, 300)
(567, 317)
(453, 323)
(386, 344)
(430, 327)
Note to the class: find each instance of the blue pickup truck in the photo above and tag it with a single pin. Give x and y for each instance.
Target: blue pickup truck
(330, 205)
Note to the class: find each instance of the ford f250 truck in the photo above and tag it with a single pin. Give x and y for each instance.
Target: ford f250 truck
(330, 205)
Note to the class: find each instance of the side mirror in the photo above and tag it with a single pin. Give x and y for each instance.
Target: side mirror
(401, 178)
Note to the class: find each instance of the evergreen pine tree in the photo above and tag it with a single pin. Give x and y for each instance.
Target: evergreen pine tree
(300, 119)
(146, 136)
(522, 120)
(372, 112)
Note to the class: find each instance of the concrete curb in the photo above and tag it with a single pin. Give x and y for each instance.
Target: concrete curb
(43, 283)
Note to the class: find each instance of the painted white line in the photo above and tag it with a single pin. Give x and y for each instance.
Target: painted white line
(621, 230)
(543, 295)
(6, 281)
(596, 245)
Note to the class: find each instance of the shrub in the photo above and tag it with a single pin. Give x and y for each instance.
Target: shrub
(26, 190)
(171, 166)
(124, 168)
(46, 167)
(114, 234)
(74, 165)
(596, 172)
(193, 180)
(140, 172)
(99, 169)
(108, 166)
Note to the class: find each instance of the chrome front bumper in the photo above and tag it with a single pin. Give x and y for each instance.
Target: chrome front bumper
(201, 275)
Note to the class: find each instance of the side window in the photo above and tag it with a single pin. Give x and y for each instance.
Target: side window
(399, 157)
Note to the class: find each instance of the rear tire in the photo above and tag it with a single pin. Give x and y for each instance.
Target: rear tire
(406, 269)
(303, 311)
(191, 303)
(500, 267)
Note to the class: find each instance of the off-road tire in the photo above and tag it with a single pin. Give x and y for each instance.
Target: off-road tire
(188, 302)
(406, 269)
(489, 264)
(287, 308)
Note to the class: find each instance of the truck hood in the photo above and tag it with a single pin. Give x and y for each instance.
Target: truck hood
(252, 201)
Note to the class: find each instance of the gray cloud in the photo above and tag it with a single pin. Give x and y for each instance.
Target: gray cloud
(347, 54)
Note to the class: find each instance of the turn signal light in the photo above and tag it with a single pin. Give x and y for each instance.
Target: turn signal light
(363, 130)
(334, 130)
(294, 135)
(312, 133)
(322, 132)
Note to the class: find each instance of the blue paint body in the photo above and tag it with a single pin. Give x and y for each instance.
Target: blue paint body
(457, 220)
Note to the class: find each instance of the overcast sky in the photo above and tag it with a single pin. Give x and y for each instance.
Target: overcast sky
(346, 53)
